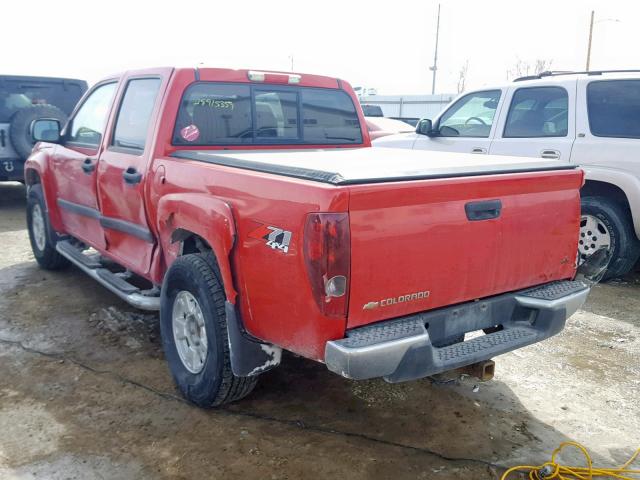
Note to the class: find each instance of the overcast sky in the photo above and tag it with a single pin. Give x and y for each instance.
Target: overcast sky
(386, 45)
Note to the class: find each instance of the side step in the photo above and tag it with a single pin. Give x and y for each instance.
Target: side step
(116, 284)
(75, 255)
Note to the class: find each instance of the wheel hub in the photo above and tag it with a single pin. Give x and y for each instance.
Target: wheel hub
(189, 332)
(38, 228)
(594, 234)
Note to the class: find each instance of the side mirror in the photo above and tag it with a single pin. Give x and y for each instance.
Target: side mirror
(45, 130)
(425, 127)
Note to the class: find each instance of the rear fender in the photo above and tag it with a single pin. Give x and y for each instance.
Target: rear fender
(37, 169)
(206, 216)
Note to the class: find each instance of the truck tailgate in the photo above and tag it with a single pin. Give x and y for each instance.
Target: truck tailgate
(419, 245)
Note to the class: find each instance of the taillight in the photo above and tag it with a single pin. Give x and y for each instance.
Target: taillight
(327, 254)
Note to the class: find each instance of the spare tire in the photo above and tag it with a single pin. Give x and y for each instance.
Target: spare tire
(20, 128)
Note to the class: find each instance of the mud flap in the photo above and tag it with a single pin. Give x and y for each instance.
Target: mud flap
(249, 357)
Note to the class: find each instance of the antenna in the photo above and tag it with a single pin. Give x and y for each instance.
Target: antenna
(434, 68)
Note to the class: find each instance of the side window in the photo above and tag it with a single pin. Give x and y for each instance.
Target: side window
(614, 108)
(87, 126)
(538, 112)
(471, 116)
(135, 112)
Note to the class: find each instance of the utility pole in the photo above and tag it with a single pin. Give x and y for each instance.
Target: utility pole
(590, 38)
(434, 69)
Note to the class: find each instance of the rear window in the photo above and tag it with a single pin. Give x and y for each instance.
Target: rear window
(19, 93)
(614, 108)
(236, 114)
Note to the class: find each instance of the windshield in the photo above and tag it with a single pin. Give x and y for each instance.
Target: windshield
(239, 114)
(17, 93)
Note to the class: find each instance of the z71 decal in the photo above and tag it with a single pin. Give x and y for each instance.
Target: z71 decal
(275, 237)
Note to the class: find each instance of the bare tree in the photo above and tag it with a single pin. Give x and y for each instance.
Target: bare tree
(523, 68)
(520, 69)
(542, 65)
(462, 76)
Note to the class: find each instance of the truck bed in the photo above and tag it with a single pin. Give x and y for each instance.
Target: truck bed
(349, 166)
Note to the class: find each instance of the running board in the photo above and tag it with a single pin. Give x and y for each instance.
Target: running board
(75, 255)
(116, 284)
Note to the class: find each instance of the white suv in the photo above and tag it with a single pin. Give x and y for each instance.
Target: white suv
(589, 118)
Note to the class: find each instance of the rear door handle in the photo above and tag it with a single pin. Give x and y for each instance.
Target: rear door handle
(550, 154)
(88, 166)
(483, 210)
(132, 176)
(478, 150)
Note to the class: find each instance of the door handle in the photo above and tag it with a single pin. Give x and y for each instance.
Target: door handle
(478, 150)
(484, 210)
(132, 176)
(88, 166)
(550, 154)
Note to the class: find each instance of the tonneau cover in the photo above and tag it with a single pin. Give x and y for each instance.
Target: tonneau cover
(348, 166)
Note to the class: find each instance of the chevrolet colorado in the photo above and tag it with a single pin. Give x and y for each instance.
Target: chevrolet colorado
(249, 209)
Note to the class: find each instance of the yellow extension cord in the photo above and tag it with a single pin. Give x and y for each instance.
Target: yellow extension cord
(553, 470)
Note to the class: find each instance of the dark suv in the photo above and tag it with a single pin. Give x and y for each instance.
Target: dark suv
(23, 100)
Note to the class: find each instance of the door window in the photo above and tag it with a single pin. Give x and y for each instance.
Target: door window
(614, 108)
(470, 116)
(538, 112)
(135, 113)
(87, 126)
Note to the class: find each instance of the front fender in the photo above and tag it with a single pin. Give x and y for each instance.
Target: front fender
(208, 217)
(628, 183)
(37, 169)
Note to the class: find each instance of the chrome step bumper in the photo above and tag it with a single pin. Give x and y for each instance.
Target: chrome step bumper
(404, 349)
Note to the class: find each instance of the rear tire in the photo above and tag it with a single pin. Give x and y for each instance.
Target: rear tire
(42, 237)
(613, 220)
(193, 309)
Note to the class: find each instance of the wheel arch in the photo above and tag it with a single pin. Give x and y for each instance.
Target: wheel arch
(192, 223)
(620, 186)
(31, 177)
(37, 172)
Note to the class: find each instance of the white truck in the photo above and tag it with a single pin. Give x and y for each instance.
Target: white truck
(588, 118)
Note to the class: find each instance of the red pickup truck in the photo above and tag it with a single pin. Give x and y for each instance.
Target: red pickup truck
(249, 209)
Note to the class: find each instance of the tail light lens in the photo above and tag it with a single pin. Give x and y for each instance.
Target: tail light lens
(327, 254)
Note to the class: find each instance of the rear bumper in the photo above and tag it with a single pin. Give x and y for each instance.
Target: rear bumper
(403, 349)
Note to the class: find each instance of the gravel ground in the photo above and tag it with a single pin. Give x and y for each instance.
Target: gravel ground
(85, 394)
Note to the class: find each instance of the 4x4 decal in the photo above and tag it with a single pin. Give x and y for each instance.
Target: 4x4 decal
(275, 237)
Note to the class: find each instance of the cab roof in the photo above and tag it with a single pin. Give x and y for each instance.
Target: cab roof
(231, 75)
